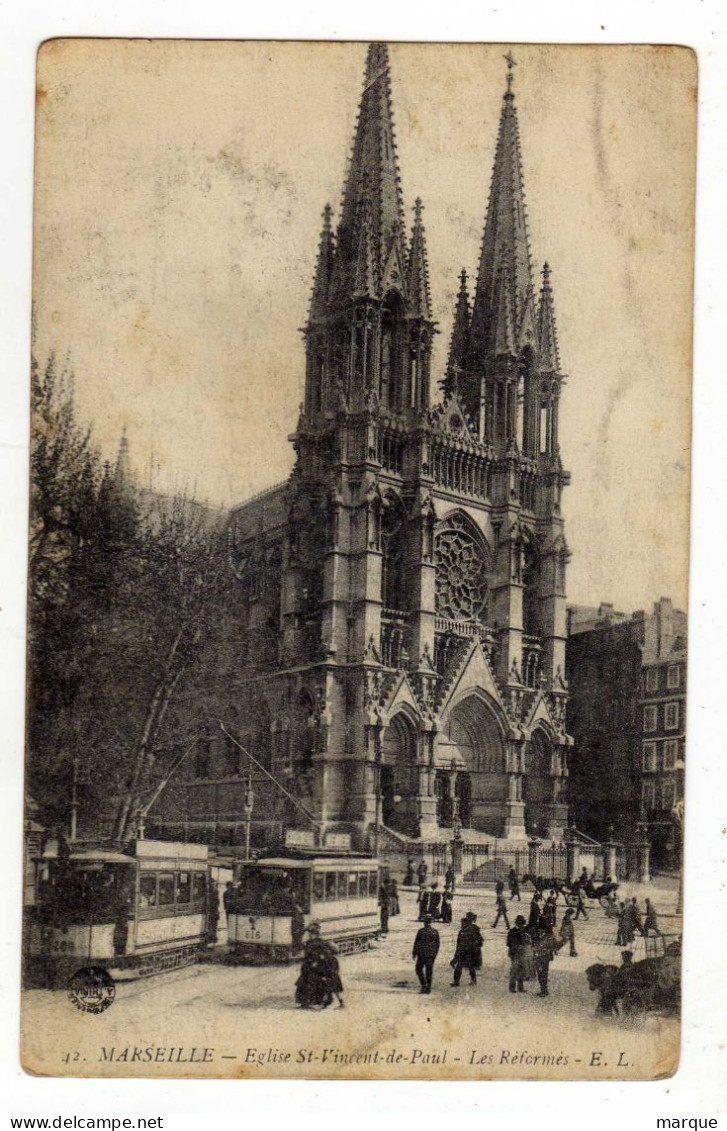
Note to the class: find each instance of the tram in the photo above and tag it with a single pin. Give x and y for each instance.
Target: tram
(148, 910)
(277, 896)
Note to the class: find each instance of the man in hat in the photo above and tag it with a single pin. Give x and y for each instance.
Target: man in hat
(519, 949)
(567, 932)
(468, 953)
(501, 906)
(424, 952)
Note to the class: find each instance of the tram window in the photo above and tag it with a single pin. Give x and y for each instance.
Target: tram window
(341, 885)
(166, 889)
(363, 884)
(148, 890)
(318, 886)
(184, 887)
(352, 885)
(198, 886)
(373, 883)
(330, 885)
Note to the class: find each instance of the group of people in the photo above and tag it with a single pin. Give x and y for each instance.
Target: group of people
(531, 943)
(467, 954)
(630, 921)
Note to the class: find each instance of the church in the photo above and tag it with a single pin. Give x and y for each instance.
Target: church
(407, 584)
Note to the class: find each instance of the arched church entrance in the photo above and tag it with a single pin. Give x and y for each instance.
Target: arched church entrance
(399, 776)
(538, 783)
(473, 745)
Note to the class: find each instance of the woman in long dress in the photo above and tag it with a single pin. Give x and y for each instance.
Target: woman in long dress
(319, 980)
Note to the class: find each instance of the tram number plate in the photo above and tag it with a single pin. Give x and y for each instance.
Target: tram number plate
(249, 934)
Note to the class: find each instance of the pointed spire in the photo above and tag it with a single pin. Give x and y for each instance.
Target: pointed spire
(122, 471)
(549, 356)
(417, 268)
(459, 341)
(373, 157)
(324, 264)
(505, 243)
(503, 341)
(363, 280)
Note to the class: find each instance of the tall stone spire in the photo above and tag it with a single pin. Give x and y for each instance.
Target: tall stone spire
(505, 244)
(417, 268)
(374, 169)
(549, 357)
(324, 264)
(459, 342)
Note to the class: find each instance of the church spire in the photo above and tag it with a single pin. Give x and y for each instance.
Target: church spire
(549, 357)
(459, 341)
(324, 263)
(374, 169)
(417, 268)
(363, 278)
(505, 243)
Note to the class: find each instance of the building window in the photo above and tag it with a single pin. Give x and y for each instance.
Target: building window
(648, 760)
(671, 716)
(671, 748)
(652, 679)
(668, 794)
(647, 794)
(672, 675)
(649, 718)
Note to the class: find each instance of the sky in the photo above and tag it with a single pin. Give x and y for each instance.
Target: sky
(179, 191)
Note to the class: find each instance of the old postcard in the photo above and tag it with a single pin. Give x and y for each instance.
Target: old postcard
(358, 560)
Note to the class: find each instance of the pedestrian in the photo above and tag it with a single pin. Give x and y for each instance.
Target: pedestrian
(319, 980)
(580, 906)
(501, 907)
(634, 915)
(622, 930)
(514, 885)
(409, 874)
(567, 932)
(228, 898)
(384, 907)
(435, 901)
(468, 952)
(422, 873)
(447, 897)
(424, 952)
(550, 911)
(535, 908)
(449, 879)
(651, 921)
(519, 949)
(394, 908)
(544, 949)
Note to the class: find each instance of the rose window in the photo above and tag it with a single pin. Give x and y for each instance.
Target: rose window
(461, 577)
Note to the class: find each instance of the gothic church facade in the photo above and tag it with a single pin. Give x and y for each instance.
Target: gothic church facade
(410, 576)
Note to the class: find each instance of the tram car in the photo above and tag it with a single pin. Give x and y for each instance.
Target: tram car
(149, 910)
(277, 896)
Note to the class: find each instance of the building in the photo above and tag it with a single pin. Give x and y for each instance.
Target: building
(406, 587)
(626, 712)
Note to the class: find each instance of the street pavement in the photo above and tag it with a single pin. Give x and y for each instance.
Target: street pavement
(235, 1009)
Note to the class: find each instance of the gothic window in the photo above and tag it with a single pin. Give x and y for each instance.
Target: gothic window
(393, 545)
(461, 579)
(391, 377)
(531, 588)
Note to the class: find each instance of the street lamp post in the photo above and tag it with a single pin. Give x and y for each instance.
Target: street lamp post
(247, 810)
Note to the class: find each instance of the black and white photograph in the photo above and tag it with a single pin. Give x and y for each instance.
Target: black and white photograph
(358, 560)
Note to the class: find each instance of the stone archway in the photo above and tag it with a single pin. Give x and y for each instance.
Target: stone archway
(399, 783)
(538, 783)
(472, 745)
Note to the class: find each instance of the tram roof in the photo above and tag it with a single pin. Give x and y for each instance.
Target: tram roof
(307, 860)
